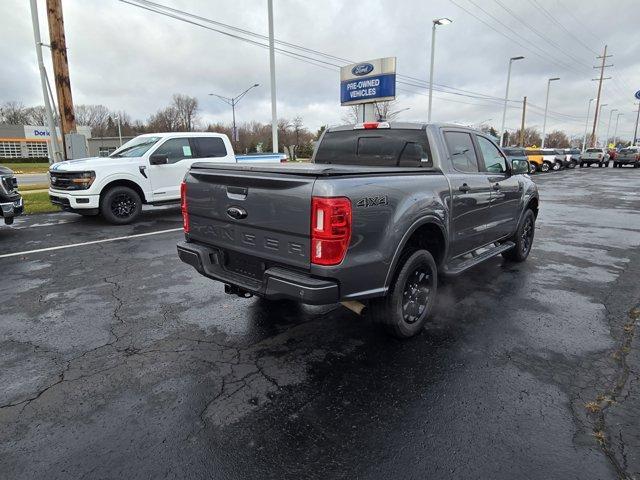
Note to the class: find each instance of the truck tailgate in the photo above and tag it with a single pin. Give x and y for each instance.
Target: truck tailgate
(259, 214)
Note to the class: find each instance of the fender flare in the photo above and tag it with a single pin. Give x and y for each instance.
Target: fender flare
(119, 177)
(429, 219)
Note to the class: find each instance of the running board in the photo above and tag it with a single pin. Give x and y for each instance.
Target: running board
(460, 266)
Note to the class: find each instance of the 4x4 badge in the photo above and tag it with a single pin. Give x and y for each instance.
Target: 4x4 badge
(373, 201)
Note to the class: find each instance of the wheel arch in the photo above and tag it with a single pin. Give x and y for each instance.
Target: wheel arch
(428, 233)
(124, 183)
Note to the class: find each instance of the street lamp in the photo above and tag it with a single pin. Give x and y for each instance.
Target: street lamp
(606, 138)
(233, 101)
(615, 130)
(595, 140)
(506, 98)
(436, 22)
(546, 107)
(119, 129)
(586, 125)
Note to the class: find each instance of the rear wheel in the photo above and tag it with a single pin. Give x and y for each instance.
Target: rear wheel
(120, 205)
(523, 238)
(572, 164)
(405, 309)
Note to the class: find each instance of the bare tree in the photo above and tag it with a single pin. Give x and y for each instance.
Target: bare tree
(14, 113)
(186, 108)
(94, 116)
(165, 120)
(557, 139)
(37, 115)
(531, 137)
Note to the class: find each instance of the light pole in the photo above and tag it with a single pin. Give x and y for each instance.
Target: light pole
(615, 130)
(599, 112)
(606, 138)
(586, 126)
(233, 101)
(436, 22)
(506, 98)
(546, 108)
(119, 129)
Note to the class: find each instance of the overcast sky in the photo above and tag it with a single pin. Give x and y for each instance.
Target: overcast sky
(131, 59)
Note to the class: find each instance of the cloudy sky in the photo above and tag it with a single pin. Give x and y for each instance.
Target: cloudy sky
(132, 59)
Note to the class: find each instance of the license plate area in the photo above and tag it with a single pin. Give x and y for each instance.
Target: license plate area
(245, 265)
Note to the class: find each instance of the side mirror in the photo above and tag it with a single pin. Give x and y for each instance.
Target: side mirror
(519, 166)
(158, 159)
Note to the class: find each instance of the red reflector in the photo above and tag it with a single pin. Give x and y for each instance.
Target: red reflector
(330, 229)
(183, 206)
(369, 125)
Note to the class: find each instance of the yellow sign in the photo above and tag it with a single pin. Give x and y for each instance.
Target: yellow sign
(611, 145)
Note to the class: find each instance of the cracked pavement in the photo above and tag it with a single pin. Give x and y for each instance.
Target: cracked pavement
(119, 361)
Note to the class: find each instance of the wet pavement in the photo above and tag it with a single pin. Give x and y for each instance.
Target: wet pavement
(119, 361)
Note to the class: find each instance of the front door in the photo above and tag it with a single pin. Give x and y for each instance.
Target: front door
(505, 190)
(471, 194)
(166, 178)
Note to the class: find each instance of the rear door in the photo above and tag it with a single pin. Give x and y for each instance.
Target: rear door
(470, 191)
(505, 190)
(259, 215)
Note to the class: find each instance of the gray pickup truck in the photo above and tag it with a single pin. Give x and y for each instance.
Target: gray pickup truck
(371, 222)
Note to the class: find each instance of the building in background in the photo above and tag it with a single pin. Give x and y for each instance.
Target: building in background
(104, 146)
(29, 141)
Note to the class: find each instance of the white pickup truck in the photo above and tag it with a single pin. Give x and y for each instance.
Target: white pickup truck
(146, 170)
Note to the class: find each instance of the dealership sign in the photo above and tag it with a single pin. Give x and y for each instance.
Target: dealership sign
(368, 82)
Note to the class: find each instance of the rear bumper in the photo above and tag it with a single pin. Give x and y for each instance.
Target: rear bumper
(624, 161)
(277, 283)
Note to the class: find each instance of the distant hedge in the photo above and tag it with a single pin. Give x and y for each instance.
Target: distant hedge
(25, 160)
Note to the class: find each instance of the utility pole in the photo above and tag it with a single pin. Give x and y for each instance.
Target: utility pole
(524, 111)
(604, 57)
(272, 71)
(60, 67)
(635, 130)
(506, 99)
(546, 108)
(56, 154)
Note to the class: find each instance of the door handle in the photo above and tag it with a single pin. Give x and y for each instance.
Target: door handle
(496, 186)
(464, 188)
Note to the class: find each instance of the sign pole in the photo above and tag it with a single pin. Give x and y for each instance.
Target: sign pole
(635, 130)
(56, 153)
(272, 71)
(524, 111)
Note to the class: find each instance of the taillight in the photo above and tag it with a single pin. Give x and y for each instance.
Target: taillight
(183, 206)
(330, 229)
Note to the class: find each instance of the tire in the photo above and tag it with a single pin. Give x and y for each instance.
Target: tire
(572, 165)
(636, 165)
(581, 165)
(120, 205)
(405, 309)
(523, 238)
(615, 165)
(532, 167)
(606, 164)
(544, 168)
(556, 166)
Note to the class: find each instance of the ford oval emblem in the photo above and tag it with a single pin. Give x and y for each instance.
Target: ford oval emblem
(362, 69)
(237, 213)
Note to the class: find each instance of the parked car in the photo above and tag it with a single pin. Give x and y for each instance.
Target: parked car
(11, 204)
(550, 156)
(534, 156)
(518, 153)
(591, 156)
(571, 157)
(146, 170)
(628, 156)
(378, 214)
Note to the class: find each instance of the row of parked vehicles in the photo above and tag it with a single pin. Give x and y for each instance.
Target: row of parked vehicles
(549, 159)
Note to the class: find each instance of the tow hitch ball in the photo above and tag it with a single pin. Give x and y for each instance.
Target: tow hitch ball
(233, 290)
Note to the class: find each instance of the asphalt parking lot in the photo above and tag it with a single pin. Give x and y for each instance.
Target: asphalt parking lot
(119, 361)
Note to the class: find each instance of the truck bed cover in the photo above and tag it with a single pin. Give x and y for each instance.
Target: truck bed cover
(314, 169)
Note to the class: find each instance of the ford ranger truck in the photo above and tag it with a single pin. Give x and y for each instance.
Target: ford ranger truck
(371, 222)
(11, 204)
(146, 170)
(628, 156)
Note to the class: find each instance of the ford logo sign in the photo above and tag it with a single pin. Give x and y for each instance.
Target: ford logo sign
(362, 69)
(237, 213)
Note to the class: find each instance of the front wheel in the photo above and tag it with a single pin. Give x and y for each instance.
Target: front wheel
(523, 238)
(572, 165)
(556, 166)
(407, 306)
(532, 167)
(120, 205)
(545, 167)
